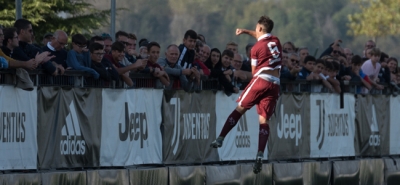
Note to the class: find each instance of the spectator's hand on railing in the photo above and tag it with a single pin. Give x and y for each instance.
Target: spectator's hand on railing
(379, 87)
(31, 64)
(347, 77)
(59, 69)
(195, 75)
(140, 64)
(186, 72)
(228, 72)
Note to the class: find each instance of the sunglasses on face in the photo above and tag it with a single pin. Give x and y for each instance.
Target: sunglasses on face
(296, 61)
(336, 52)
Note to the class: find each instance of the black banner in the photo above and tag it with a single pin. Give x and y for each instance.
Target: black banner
(290, 128)
(189, 127)
(69, 127)
(372, 125)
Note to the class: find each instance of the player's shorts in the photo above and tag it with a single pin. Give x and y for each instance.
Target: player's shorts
(263, 91)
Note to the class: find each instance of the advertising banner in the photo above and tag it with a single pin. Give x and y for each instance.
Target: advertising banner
(332, 127)
(189, 127)
(242, 141)
(69, 127)
(18, 128)
(394, 125)
(131, 121)
(290, 128)
(373, 125)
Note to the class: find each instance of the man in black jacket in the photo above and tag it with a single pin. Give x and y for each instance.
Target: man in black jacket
(101, 65)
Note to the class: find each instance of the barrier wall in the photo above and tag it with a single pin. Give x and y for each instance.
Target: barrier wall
(80, 127)
(364, 171)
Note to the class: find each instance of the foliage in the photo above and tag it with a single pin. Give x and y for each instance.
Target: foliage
(376, 18)
(73, 17)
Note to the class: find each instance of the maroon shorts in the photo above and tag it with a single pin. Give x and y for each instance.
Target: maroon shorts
(263, 93)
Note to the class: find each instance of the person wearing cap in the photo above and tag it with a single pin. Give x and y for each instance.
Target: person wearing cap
(107, 42)
(47, 38)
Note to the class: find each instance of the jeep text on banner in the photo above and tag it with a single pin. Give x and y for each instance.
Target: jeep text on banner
(18, 128)
(189, 127)
(131, 122)
(242, 141)
(332, 128)
(394, 125)
(69, 127)
(372, 121)
(290, 128)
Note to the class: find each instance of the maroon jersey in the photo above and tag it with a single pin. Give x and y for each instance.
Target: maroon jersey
(266, 54)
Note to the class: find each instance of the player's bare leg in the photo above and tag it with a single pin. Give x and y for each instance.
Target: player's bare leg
(262, 143)
(231, 122)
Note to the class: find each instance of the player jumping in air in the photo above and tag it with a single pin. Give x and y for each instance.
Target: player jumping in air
(263, 89)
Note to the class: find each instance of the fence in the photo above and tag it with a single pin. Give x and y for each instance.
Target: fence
(59, 127)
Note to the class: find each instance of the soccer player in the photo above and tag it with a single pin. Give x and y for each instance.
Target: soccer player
(263, 89)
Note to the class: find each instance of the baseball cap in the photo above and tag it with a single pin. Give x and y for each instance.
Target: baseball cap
(48, 35)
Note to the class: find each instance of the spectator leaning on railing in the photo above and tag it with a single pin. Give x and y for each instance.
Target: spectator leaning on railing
(79, 58)
(155, 69)
(56, 47)
(372, 67)
(355, 74)
(225, 73)
(174, 70)
(101, 65)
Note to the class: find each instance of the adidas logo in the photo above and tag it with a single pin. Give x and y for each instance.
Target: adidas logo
(72, 142)
(374, 138)
(242, 139)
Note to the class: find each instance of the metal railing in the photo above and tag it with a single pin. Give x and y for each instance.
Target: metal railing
(73, 78)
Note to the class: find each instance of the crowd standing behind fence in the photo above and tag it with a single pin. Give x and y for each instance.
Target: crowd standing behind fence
(335, 70)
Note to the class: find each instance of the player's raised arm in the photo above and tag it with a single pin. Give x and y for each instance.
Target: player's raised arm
(249, 32)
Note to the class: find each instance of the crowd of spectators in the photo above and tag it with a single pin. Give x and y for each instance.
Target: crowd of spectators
(186, 64)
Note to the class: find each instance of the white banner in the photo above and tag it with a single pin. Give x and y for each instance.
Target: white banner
(18, 128)
(241, 143)
(394, 125)
(131, 122)
(332, 128)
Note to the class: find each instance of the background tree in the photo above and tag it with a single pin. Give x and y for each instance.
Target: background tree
(73, 17)
(377, 18)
